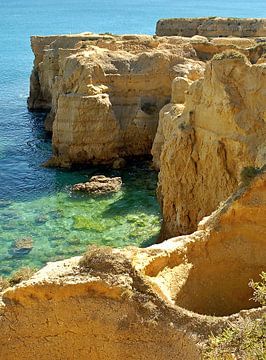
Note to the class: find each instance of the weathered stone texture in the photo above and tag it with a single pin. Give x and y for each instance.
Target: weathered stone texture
(212, 27)
(105, 92)
(142, 303)
(202, 149)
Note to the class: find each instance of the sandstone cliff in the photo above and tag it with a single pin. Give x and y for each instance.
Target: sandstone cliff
(105, 92)
(202, 146)
(212, 27)
(149, 303)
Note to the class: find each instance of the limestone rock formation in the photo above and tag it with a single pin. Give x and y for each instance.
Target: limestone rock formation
(203, 148)
(151, 303)
(99, 184)
(105, 92)
(23, 246)
(211, 27)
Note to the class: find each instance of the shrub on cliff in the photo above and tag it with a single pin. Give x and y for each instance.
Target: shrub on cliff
(229, 54)
(246, 339)
(102, 259)
(25, 273)
(248, 173)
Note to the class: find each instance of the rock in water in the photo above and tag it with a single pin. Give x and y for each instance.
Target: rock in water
(4, 203)
(119, 163)
(23, 246)
(99, 184)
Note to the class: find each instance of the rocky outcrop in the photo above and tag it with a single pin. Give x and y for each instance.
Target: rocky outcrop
(23, 246)
(211, 27)
(151, 303)
(99, 184)
(252, 48)
(105, 92)
(204, 148)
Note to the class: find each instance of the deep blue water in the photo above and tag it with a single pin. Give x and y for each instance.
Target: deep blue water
(36, 202)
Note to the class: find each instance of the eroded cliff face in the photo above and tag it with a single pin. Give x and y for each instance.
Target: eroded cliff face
(212, 27)
(105, 92)
(149, 303)
(205, 144)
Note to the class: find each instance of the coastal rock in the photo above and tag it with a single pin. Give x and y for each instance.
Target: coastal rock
(162, 296)
(119, 163)
(204, 148)
(168, 116)
(23, 246)
(105, 92)
(99, 184)
(212, 27)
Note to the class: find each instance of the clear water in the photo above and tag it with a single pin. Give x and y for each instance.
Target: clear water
(36, 202)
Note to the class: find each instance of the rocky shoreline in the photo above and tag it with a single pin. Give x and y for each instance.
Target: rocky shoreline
(198, 105)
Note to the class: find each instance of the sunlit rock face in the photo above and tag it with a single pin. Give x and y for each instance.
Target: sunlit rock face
(212, 27)
(161, 302)
(105, 92)
(109, 302)
(206, 142)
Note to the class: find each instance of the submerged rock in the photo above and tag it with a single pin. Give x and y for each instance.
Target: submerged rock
(4, 203)
(99, 185)
(119, 163)
(23, 246)
(42, 219)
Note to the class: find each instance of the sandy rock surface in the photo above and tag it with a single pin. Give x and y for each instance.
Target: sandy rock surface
(154, 303)
(105, 92)
(99, 184)
(212, 27)
(202, 146)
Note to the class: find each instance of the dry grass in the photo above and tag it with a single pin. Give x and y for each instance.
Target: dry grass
(16, 277)
(229, 54)
(103, 259)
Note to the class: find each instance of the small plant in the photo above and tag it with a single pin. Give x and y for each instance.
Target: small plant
(244, 340)
(229, 54)
(248, 173)
(4, 283)
(102, 259)
(25, 273)
(259, 288)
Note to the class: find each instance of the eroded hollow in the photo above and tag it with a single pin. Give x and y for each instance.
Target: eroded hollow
(212, 278)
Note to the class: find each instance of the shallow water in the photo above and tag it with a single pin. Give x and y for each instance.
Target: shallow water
(36, 202)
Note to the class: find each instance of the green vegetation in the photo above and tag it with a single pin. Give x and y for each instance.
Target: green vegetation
(246, 339)
(259, 289)
(248, 173)
(229, 54)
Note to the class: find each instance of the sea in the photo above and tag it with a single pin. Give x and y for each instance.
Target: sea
(36, 203)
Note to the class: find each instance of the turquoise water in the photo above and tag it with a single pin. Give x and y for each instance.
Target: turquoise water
(37, 202)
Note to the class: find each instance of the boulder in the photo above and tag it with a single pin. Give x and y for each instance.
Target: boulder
(99, 184)
(23, 246)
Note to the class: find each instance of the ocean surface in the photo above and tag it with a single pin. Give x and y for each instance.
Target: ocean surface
(36, 203)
